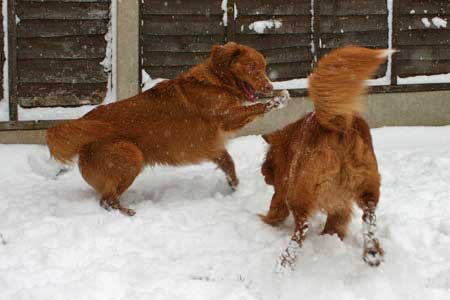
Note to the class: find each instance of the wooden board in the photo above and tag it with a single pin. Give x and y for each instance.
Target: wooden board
(182, 25)
(60, 45)
(377, 39)
(61, 71)
(343, 24)
(181, 7)
(172, 59)
(51, 94)
(289, 24)
(414, 22)
(184, 43)
(428, 67)
(58, 28)
(410, 7)
(286, 71)
(424, 37)
(273, 7)
(74, 47)
(351, 7)
(274, 41)
(62, 10)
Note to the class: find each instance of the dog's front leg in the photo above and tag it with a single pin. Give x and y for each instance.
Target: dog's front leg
(237, 117)
(226, 164)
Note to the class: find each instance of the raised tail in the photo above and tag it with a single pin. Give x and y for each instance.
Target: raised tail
(336, 84)
(66, 139)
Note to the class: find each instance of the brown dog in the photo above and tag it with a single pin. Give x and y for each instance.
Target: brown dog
(182, 121)
(325, 161)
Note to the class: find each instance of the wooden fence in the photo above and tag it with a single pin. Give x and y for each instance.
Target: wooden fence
(55, 51)
(56, 46)
(178, 34)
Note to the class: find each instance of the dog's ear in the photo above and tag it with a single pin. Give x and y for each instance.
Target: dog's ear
(223, 56)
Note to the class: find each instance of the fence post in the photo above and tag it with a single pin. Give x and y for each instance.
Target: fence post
(127, 45)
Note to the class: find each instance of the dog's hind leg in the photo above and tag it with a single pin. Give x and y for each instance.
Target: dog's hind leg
(337, 222)
(368, 200)
(226, 164)
(278, 210)
(110, 167)
(301, 208)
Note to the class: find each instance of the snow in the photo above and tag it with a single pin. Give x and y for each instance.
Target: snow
(261, 26)
(424, 79)
(439, 23)
(4, 105)
(192, 238)
(301, 83)
(224, 7)
(426, 22)
(148, 82)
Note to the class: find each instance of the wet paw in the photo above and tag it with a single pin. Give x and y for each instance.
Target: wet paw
(373, 254)
(279, 101)
(271, 220)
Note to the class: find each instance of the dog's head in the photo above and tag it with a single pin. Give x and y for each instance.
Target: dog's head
(245, 66)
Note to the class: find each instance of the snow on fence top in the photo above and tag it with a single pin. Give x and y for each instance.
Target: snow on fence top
(261, 26)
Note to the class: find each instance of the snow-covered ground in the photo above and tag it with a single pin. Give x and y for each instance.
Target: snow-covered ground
(193, 239)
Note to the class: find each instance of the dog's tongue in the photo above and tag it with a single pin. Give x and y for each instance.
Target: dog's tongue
(249, 92)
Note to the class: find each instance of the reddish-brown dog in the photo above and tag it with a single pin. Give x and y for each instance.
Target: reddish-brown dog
(325, 161)
(182, 121)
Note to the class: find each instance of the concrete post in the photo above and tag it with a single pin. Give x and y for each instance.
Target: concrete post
(127, 56)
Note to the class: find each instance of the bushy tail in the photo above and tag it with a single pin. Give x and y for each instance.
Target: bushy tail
(66, 139)
(337, 83)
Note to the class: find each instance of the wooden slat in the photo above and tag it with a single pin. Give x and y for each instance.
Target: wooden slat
(274, 7)
(351, 7)
(165, 72)
(49, 95)
(342, 24)
(2, 54)
(415, 22)
(74, 47)
(170, 59)
(12, 59)
(289, 24)
(424, 53)
(429, 67)
(185, 43)
(182, 25)
(63, 10)
(424, 37)
(286, 71)
(181, 7)
(62, 71)
(424, 6)
(57, 28)
(274, 41)
(368, 39)
(75, 1)
(286, 55)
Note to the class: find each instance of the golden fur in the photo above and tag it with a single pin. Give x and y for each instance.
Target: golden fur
(325, 161)
(186, 120)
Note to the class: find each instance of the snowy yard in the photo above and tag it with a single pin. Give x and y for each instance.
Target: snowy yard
(193, 239)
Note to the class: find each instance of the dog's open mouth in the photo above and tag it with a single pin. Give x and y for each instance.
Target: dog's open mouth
(249, 91)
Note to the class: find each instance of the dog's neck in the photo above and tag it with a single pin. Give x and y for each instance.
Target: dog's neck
(206, 73)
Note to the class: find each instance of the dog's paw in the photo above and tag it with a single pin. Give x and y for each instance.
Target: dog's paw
(280, 100)
(373, 253)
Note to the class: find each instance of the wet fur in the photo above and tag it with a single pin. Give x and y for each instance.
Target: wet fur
(182, 121)
(325, 161)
